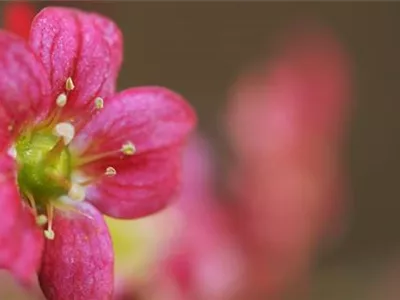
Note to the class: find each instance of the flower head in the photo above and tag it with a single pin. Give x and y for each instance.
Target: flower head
(285, 122)
(72, 149)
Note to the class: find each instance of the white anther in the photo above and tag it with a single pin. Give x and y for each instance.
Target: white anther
(99, 103)
(65, 130)
(110, 171)
(41, 220)
(128, 148)
(61, 100)
(49, 234)
(69, 84)
(76, 192)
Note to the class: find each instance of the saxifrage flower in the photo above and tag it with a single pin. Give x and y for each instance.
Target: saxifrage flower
(288, 177)
(72, 149)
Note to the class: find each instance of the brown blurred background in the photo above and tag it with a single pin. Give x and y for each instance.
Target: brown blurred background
(198, 48)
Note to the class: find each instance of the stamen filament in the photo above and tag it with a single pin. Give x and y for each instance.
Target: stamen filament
(110, 172)
(32, 203)
(127, 149)
(49, 233)
(82, 119)
(92, 158)
(61, 101)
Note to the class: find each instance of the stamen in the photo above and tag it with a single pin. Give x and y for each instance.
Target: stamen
(81, 120)
(77, 192)
(61, 100)
(69, 84)
(99, 103)
(32, 203)
(65, 130)
(49, 233)
(41, 220)
(127, 149)
(110, 172)
(55, 115)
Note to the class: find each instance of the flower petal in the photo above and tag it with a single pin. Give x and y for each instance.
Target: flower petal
(150, 117)
(24, 85)
(157, 121)
(84, 46)
(145, 187)
(289, 177)
(78, 263)
(20, 239)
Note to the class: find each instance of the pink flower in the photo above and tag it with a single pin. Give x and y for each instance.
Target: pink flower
(202, 260)
(286, 122)
(72, 149)
(194, 255)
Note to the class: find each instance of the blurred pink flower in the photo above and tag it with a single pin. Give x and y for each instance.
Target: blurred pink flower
(285, 121)
(200, 259)
(66, 137)
(204, 261)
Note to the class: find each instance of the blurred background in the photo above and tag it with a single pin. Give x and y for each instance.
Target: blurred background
(199, 49)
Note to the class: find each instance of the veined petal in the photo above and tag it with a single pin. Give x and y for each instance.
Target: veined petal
(157, 121)
(84, 46)
(289, 175)
(78, 263)
(143, 187)
(152, 118)
(24, 86)
(21, 241)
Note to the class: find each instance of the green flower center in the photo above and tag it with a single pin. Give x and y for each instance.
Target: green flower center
(44, 166)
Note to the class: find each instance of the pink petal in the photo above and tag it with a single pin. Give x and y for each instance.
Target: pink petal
(289, 172)
(84, 46)
(198, 176)
(303, 92)
(147, 186)
(152, 118)
(18, 231)
(78, 263)
(157, 121)
(24, 85)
